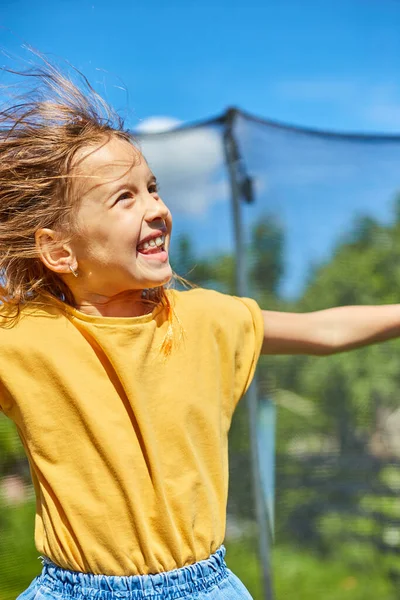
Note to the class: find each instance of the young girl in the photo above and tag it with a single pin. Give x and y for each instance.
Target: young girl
(123, 390)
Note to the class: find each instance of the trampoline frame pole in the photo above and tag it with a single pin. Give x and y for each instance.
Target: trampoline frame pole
(232, 158)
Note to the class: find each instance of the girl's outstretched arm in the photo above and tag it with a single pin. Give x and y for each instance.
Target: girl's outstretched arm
(329, 331)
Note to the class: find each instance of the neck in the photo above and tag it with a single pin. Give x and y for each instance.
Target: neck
(126, 304)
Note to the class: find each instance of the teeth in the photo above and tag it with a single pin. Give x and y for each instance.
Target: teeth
(159, 241)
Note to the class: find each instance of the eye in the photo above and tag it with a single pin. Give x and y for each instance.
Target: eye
(124, 196)
(153, 188)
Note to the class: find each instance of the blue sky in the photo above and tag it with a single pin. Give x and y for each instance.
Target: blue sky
(332, 65)
(329, 64)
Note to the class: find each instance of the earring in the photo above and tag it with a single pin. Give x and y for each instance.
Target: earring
(74, 273)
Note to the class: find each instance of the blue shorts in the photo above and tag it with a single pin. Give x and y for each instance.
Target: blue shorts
(208, 579)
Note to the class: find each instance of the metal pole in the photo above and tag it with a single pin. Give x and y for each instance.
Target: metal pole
(242, 289)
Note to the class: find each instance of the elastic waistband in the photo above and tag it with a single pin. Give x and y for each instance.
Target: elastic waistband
(200, 576)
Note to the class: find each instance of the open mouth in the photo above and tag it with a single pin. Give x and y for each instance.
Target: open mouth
(152, 246)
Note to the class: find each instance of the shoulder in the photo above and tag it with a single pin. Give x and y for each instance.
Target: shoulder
(215, 305)
(200, 299)
(27, 322)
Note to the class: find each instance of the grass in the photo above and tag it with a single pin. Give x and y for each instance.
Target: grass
(302, 575)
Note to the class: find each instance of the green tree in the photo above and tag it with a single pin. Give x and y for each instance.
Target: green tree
(266, 256)
(347, 392)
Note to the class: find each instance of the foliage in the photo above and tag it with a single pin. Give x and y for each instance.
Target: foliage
(10, 445)
(18, 555)
(302, 574)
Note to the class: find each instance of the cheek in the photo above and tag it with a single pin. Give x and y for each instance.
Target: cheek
(103, 236)
(92, 242)
(110, 242)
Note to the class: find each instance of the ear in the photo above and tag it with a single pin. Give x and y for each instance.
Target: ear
(55, 255)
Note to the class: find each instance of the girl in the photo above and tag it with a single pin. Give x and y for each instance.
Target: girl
(122, 389)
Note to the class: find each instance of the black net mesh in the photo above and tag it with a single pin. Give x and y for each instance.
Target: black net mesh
(322, 230)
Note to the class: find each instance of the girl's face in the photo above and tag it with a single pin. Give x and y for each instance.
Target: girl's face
(123, 226)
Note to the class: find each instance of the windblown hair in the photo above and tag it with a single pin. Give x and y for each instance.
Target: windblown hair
(40, 133)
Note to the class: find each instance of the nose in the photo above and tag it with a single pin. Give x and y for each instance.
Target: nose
(156, 210)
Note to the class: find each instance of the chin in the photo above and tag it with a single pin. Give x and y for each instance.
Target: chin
(160, 282)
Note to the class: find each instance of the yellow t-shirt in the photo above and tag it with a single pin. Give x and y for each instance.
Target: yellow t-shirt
(127, 447)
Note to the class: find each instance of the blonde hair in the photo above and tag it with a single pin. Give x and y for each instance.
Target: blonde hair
(40, 134)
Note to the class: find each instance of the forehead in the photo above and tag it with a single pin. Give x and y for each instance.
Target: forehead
(109, 161)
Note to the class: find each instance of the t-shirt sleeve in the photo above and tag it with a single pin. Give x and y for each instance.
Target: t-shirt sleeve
(227, 333)
(249, 340)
